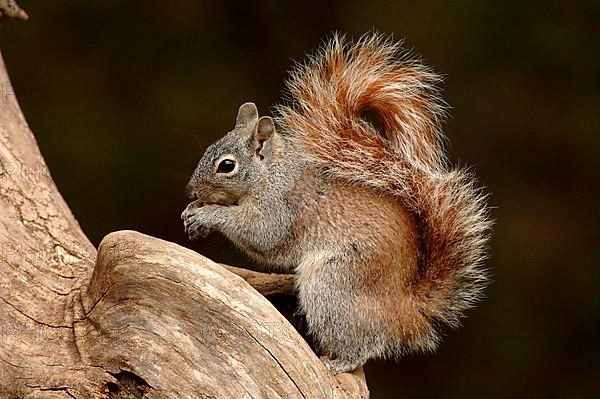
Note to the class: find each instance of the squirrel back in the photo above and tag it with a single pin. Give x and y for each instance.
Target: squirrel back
(330, 96)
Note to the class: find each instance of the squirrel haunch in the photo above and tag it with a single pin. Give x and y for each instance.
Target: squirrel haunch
(385, 237)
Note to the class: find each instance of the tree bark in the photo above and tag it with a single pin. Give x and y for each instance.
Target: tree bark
(141, 317)
(10, 9)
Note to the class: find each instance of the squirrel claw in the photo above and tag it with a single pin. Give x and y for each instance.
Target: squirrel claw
(193, 229)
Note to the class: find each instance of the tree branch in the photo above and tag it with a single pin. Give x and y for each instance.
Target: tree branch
(10, 9)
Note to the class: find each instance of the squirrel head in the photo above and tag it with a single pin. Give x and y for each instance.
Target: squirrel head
(238, 163)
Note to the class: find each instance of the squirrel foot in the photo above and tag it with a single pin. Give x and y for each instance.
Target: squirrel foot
(341, 365)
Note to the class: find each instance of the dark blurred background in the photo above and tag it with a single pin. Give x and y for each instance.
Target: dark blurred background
(124, 96)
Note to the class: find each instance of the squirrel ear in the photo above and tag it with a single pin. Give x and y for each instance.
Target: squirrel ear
(265, 128)
(264, 131)
(247, 114)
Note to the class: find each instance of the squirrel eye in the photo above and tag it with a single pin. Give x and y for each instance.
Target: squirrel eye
(226, 166)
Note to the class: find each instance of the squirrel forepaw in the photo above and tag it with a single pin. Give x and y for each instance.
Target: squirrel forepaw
(194, 228)
(196, 222)
(195, 232)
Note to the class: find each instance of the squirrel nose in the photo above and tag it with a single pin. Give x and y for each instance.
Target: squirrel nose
(190, 191)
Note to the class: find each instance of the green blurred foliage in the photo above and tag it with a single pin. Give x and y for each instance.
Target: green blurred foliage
(124, 96)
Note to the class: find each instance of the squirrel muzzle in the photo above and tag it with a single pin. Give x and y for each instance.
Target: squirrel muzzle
(206, 194)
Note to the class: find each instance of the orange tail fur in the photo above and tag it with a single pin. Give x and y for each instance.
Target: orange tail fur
(329, 97)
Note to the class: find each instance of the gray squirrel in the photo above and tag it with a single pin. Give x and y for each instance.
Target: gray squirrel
(385, 238)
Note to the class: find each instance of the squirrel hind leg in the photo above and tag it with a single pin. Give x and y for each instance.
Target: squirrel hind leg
(343, 322)
(342, 365)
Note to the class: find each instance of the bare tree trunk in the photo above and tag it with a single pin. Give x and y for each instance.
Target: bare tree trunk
(139, 318)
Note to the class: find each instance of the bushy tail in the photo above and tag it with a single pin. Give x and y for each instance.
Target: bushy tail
(330, 96)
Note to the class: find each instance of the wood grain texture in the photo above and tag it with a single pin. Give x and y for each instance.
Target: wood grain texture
(141, 317)
(10, 9)
(266, 283)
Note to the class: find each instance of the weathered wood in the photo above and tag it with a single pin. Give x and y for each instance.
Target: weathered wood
(10, 9)
(44, 257)
(266, 284)
(231, 340)
(142, 317)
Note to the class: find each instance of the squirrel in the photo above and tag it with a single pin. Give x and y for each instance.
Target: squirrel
(385, 237)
